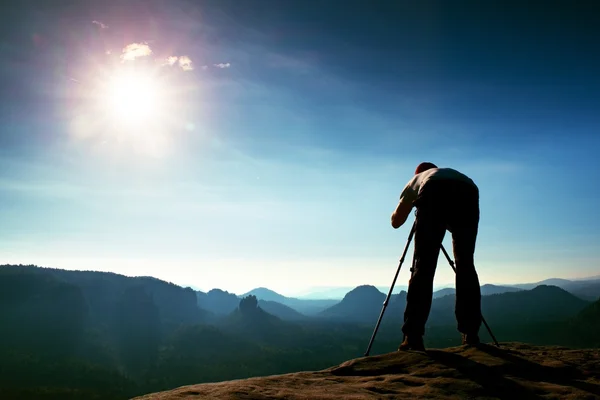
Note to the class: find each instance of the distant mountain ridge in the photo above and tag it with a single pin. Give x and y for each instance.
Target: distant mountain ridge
(307, 307)
(263, 293)
(486, 290)
(586, 289)
(542, 303)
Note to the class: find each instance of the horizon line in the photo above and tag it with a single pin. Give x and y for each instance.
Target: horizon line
(307, 291)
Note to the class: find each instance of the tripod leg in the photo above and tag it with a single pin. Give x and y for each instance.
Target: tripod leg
(482, 319)
(389, 295)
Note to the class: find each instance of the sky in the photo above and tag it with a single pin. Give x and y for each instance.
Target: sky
(234, 145)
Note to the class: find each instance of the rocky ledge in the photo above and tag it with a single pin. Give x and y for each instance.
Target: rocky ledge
(513, 370)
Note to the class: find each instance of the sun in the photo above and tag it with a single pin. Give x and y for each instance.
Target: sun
(133, 98)
(139, 109)
(134, 107)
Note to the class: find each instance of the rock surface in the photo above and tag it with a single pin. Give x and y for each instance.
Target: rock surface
(515, 371)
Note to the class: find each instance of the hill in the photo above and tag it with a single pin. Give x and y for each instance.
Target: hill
(218, 301)
(358, 304)
(584, 328)
(309, 307)
(306, 307)
(541, 304)
(254, 323)
(103, 293)
(444, 292)
(263, 293)
(363, 304)
(586, 289)
(513, 371)
(486, 290)
(281, 311)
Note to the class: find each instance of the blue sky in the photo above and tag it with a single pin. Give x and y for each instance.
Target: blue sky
(282, 152)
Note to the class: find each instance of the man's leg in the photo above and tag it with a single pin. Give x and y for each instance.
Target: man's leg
(468, 291)
(429, 233)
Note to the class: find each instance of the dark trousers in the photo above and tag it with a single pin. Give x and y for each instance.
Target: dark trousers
(453, 206)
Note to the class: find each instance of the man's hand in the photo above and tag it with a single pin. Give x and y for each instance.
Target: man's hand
(401, 213)
(395, 224)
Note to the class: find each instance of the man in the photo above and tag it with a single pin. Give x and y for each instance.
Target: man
(444, 199)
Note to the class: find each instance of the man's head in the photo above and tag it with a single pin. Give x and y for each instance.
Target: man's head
(424, 166)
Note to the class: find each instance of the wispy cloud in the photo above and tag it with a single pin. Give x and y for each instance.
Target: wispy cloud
(171, 60)
(100, 24)
(135, 50)
(185, 63)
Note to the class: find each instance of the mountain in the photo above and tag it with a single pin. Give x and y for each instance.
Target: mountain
(489, 289)
(443, 292)
(559, 282)
(360, 304)
(308, 307)
(41, 313)
(338, 293)
(281, 311)
(584, 328)
(514, 370)
(541, 304)
(218, 301)
(263, 293)
(326, 293)
(486, 290)
(103, 292)
(253, 323)
(586, 289)
(363, 304)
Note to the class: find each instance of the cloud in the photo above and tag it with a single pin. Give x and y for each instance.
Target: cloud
(171, 60)
(100, 24)
(185, 63)
(222, 65)
(135, 50)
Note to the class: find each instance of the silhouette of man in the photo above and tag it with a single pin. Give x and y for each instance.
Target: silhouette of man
(445, 199)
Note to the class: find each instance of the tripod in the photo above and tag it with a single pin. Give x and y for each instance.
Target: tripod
(389, 295)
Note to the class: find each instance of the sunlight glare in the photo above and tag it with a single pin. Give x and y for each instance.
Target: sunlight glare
(133, 98)
(131, 109)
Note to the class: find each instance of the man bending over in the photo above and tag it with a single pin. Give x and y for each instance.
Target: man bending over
(444, 199)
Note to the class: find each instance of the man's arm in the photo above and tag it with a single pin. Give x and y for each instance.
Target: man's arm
(402, 212)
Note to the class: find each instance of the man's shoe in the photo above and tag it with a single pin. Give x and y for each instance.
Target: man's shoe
(470, 339)
(412, 343)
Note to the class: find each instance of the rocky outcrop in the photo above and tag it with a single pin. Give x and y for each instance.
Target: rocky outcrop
(515, 371)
